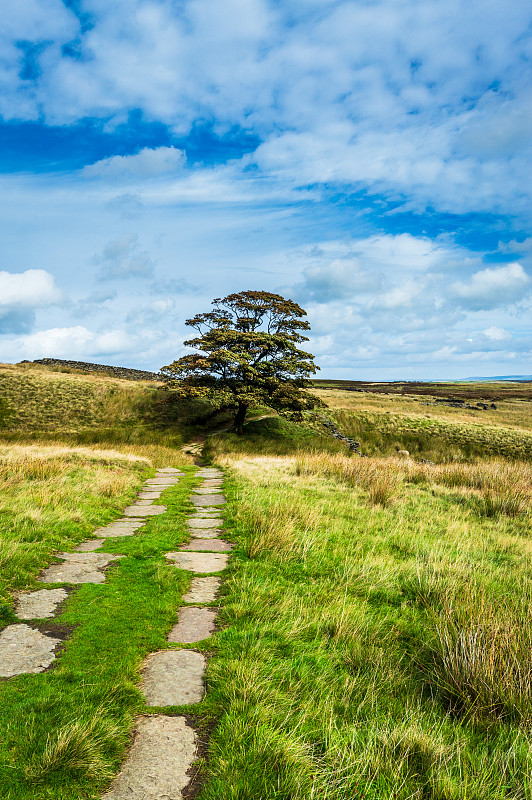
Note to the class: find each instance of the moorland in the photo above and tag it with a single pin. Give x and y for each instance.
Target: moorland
(375, 628)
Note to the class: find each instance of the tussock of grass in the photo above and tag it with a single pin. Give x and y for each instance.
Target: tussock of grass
(78, 746)
(377, 477)
(479, 660)
(280, 528)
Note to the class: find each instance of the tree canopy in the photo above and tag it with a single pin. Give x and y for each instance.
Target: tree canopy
(248, 355)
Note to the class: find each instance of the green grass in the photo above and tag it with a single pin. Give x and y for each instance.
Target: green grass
(370, 651)
(274, 436)
(66, 731)
(432, 438)
(375, 632)
(86, 409)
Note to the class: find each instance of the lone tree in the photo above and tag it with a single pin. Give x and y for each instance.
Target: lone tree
(248, 356)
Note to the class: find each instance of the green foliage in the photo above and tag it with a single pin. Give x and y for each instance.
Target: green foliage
(248, 356)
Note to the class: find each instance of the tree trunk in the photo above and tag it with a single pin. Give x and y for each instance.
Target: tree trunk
(240, 416)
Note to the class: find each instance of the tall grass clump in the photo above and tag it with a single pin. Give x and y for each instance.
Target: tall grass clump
(277, 527)
(480, 659)
(380, 478)
(82, 745)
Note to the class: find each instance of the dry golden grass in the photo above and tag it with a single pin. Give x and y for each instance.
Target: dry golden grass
(509, 412)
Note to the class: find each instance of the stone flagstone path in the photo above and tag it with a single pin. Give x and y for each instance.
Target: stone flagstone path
(161, 756)
(164, 747)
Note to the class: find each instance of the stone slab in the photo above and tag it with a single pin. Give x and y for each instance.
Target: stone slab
(205, 470)
(162, 481)
(212, 545)
(163, 750)
(206, 490)
(204, 563)
(88, 547)
(173, 678)
(208, 500)
(122, 527)
(205, 513)
(142, 502)
(143, 511)
(169, 471)
(213, 482)
(150, 495)
(194, 625)
(39, 605)
(208, 533)
(210, 475)
(24, 649)
(212, 522)
(78, 568)
(202, 590)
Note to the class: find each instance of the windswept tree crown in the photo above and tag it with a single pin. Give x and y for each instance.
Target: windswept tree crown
(248, 355)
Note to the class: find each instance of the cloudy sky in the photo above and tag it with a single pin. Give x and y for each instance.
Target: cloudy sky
(370, 159)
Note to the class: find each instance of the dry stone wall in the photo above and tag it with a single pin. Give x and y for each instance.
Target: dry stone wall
(85, 366)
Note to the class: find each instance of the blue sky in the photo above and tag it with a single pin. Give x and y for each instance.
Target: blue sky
(371, 160)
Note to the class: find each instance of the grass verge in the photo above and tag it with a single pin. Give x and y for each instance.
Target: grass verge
(370, 650)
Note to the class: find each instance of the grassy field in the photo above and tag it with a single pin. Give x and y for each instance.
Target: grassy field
(375, 631)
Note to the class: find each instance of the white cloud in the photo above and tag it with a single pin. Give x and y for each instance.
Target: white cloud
(34, 287)
(391, 95)
(493, 287)
(21, 294)
(147, 163)
(496, 334)
(75, 342)
(122, 258)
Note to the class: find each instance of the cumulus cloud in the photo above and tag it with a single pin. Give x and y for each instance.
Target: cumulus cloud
(394, 97)
(75, 342)
(147, 163)
(21, 294)
(492, 287)
(122, 258)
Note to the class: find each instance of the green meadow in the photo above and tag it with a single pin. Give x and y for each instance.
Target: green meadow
(375, 633)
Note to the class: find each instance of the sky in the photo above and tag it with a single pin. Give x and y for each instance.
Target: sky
(369, 159)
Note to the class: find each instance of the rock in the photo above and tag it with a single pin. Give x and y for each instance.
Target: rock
(25, 650)
(39, 605)
(202, 590)
(117, 372)
(211, 522)
(205, 533)
(203, 563)
(90, 546)
(162, 481)
(78, 568)
(173, 678)
(163, 750)
(122, 527)
(143, 511)
(194, 624)
(211, 544)
(209, 500)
